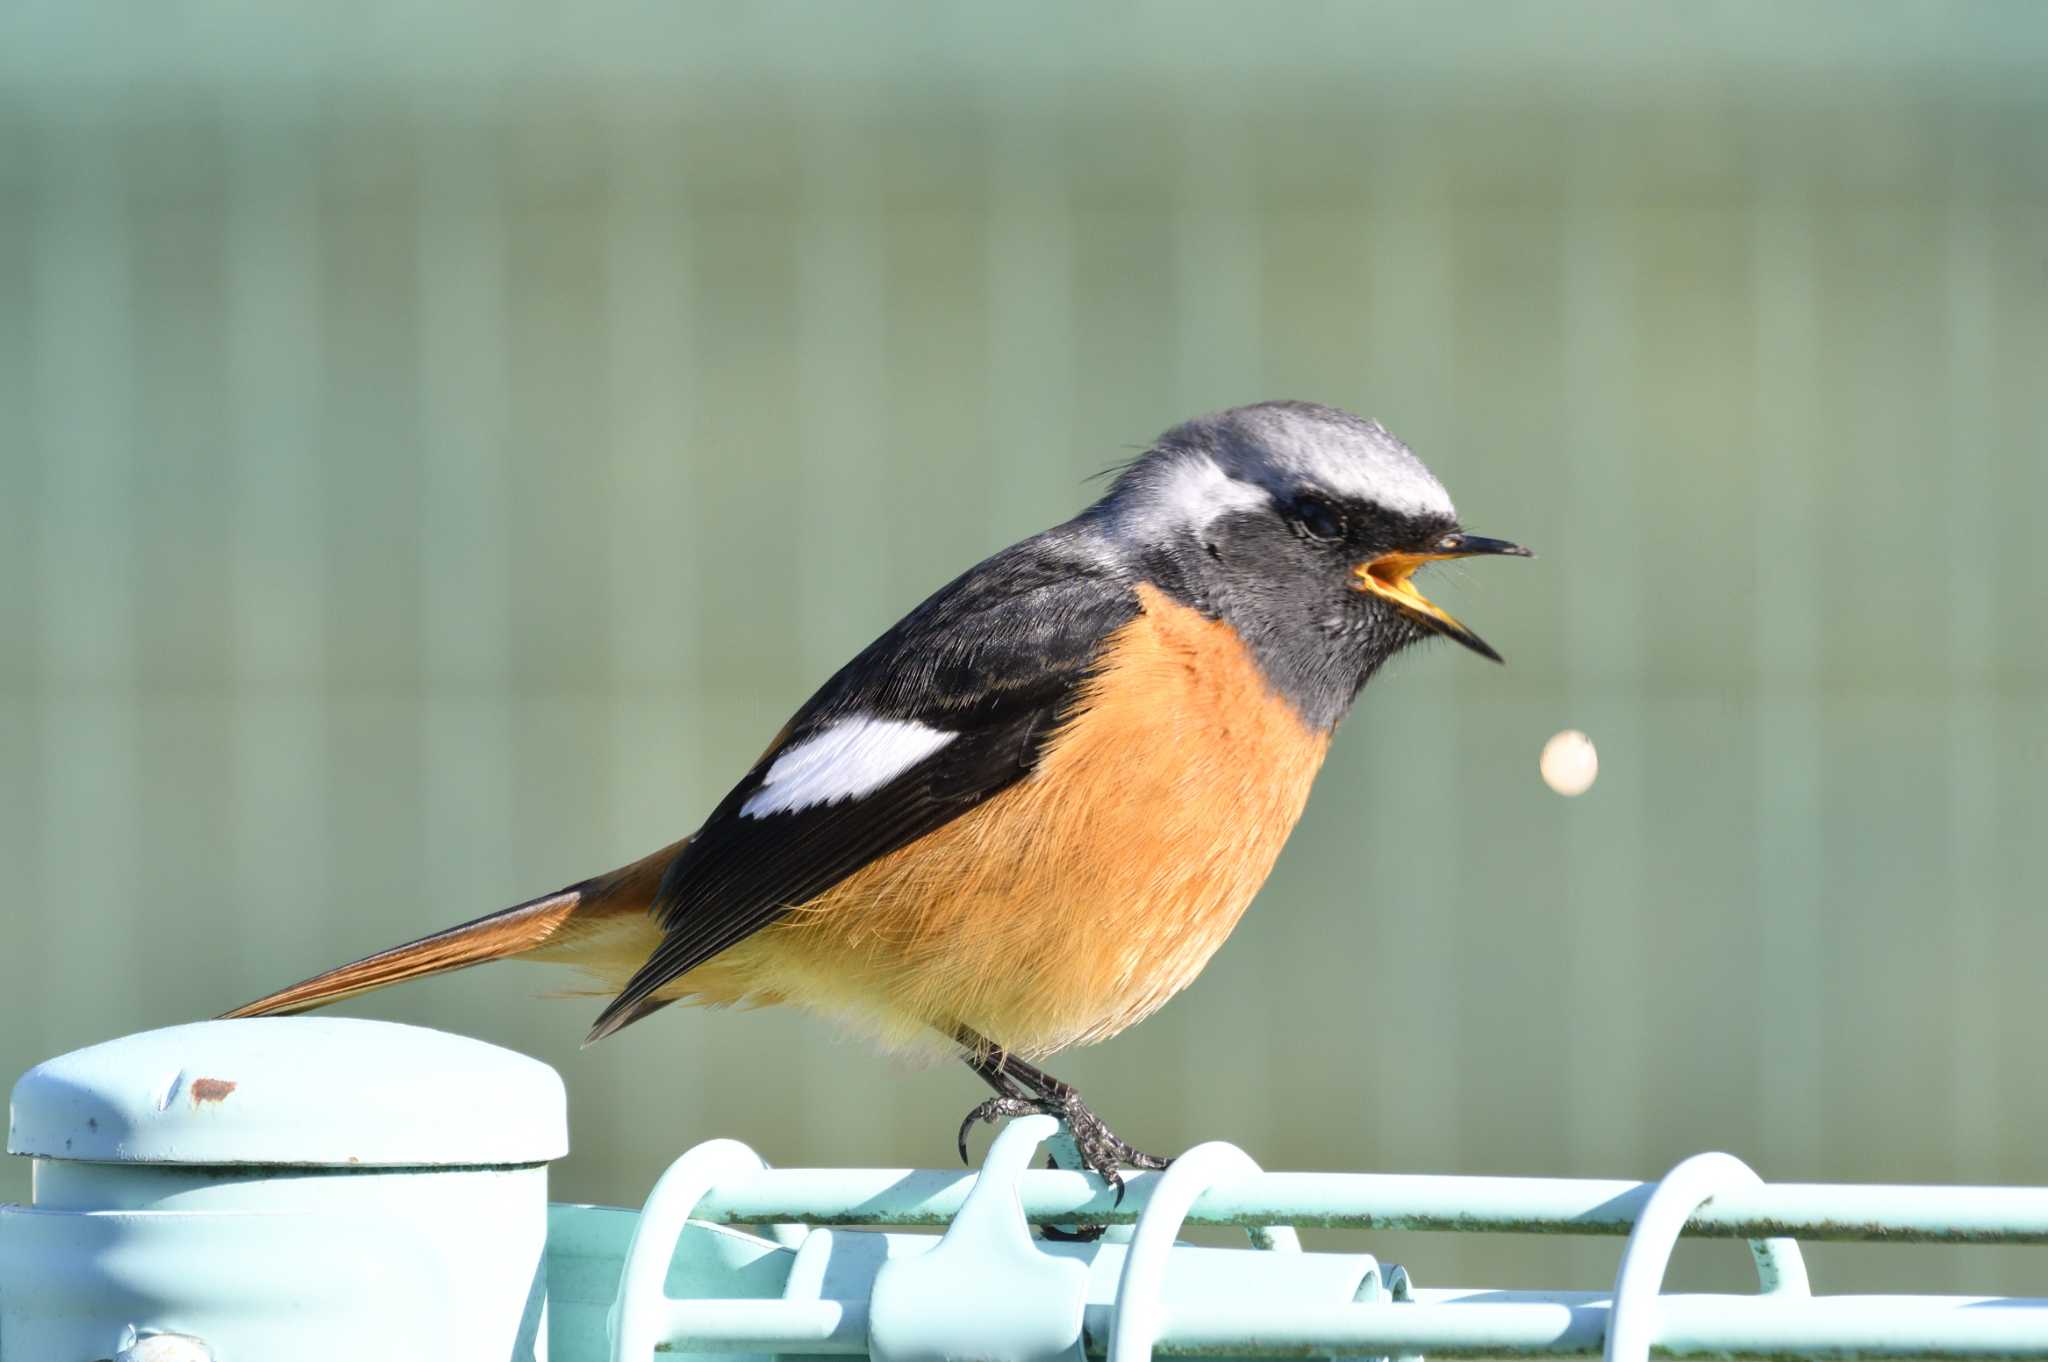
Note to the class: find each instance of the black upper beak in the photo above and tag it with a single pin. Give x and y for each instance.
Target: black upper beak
(1473, 545)
(1389, 577)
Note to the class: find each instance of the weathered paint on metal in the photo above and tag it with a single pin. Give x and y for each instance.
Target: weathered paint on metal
(1639, 1280)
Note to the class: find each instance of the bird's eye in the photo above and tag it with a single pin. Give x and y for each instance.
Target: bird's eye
(1316, 518)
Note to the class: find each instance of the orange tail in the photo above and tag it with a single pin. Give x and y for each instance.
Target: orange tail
(560, 920)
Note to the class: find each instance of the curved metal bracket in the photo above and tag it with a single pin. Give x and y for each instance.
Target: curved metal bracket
(636, 1329)
(985, 1290)
(1135, 1322)
(1632, 1319)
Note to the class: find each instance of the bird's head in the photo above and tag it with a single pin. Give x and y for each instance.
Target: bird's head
(1301, 526)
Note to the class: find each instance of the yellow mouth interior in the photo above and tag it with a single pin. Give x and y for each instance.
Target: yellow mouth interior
(1391, 576)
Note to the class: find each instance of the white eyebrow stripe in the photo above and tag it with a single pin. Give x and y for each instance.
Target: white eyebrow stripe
(1371, 465)
(1406, 490)
(1189, 488)
(848, 759)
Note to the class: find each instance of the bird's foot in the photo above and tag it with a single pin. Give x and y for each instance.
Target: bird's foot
(999, 1109)
(1102, 1150)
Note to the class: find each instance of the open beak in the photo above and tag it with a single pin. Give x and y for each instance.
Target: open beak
(1391, 577)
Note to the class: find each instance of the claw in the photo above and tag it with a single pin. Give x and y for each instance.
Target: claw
(1102, 1151)
(995, 1109)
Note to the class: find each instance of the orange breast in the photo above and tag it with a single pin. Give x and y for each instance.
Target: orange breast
(1079, 900)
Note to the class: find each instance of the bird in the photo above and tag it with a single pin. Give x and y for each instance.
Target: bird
(1028, 814)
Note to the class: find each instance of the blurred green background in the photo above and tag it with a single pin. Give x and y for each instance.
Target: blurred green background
(442, 443)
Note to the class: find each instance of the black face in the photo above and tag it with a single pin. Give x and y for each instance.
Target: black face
(1283, 575)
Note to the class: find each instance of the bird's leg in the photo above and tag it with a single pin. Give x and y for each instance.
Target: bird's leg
(1010, 1099)
(1022, 1089)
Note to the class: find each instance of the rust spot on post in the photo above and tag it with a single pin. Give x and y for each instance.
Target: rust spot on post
(210, 1090)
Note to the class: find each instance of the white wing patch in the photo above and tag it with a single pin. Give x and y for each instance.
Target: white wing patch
(851, 758)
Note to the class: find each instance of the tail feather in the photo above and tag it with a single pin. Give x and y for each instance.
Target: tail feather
(565, 925)
(511, 931)
(616, 1018)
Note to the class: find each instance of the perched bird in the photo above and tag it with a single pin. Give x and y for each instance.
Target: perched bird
(1028, 814)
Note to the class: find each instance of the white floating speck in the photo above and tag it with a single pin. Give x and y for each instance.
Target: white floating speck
(1570, 764)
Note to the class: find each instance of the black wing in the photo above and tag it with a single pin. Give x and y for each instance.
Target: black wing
(996, 658)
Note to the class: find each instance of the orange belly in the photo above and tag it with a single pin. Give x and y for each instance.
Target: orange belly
(1079, 900)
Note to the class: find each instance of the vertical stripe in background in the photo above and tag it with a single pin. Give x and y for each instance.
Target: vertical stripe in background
(281, 874)
(81, 427)
(468, 697)
(1977, 601)
(1608, 990)
(1791, 858)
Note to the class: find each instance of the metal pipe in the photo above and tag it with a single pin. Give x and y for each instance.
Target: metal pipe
(1462, 1323)
(1824, 1211)
(749, 1326)
(1837, 1327)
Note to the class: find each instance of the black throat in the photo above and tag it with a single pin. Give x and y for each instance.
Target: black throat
(1316, 641)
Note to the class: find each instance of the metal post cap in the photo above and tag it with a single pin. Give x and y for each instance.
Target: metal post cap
(310, 1091)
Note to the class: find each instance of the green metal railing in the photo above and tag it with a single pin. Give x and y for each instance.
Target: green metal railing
(988, 1289)
(327, 1189)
